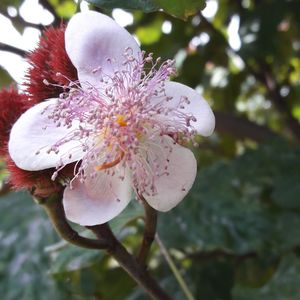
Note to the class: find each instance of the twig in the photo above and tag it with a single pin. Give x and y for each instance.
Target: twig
(242, 128)
(129, 263)
(149, 232)
(54, 209)
(12, 49)
(106, 240)
(174, 269)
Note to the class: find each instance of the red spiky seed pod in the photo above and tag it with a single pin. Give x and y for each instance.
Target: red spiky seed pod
(20, 179)
(12, 105)
(47, 61)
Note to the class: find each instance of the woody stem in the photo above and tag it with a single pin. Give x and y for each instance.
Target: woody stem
(55, 211)
(129, 263)
(149, 232)
(105, 240)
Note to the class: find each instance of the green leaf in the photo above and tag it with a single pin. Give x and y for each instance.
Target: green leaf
(207, 275)
(64, 8)
(132, 212)
(181, 8)
(72, 258)
(25, 232)
(5, 78)
(150, 33)
(233, 206)
(283, 285)
(5, 3)
(286, 190)
(144, 5)
(177, 8)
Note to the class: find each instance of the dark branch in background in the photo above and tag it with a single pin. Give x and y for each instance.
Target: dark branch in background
(50, 8)
(267, 78)
(129, 263)
(12, 49)
(19, 21)
(242, 128)
(149, 232)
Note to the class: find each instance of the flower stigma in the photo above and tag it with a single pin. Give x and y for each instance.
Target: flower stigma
(126, 122)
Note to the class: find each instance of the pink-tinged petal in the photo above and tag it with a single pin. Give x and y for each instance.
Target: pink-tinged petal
(198, 107)
(92, 39)
(173, 186)
(97, 200)
(34, 132)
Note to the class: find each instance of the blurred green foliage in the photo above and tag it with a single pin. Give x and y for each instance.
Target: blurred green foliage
(237, 234)
(24, 234)
(145, 5)
(5, 78)
(179, 8)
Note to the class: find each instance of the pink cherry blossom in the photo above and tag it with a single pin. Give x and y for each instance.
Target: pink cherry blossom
(124, 123)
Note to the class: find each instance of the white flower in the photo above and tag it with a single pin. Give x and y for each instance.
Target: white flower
(122, 124)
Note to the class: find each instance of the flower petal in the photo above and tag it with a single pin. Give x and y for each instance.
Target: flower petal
(173, 187)
(198, 107)
(91, 40)
(97, 200)
(34, 132)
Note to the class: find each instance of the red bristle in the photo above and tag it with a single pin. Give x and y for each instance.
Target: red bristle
(12, 105)
(48, 59)
(20, 178)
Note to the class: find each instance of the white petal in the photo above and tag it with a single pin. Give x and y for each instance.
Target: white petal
(182, 169)
(98, 200)
(35, 132)
(93, 38)
(198, 107)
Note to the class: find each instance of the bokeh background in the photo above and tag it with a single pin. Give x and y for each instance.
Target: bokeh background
(237, 234)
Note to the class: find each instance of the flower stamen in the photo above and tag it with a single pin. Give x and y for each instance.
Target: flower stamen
(111, 164)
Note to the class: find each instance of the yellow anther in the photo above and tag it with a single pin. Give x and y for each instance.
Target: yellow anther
(121, 120)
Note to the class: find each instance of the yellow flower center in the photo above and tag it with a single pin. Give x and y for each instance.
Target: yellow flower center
(121, 120)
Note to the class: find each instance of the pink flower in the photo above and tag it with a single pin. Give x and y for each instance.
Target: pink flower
(123, 121)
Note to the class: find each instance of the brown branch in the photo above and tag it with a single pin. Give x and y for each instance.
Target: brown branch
(149, 232)
(54, 209)
(106, 240)
(242, 128)
(12, 49)
(129, 263)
